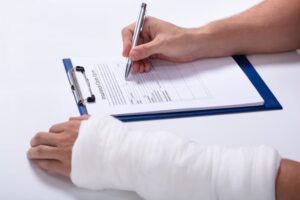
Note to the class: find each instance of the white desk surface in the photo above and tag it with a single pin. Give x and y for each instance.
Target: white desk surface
(34, 92)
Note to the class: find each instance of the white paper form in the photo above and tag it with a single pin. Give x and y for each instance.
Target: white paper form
(168, 87)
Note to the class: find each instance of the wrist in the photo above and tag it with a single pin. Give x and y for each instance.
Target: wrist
(214, 40)
(199, 42)
(288, 180)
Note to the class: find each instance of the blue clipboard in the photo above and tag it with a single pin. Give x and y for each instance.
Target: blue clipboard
(270, 101)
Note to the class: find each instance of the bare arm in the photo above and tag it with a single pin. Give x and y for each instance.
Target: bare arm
(53, 151)
(288, 181)
(271, 26)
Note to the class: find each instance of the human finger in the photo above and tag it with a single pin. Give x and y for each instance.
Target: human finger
(145, 50)
(135, 67)
(44, 138)
(148, 65)
(54, 166)
(57, 128)
(43, 152)
(82, 117)
(145, 35)
(127, 34)
(142, 66)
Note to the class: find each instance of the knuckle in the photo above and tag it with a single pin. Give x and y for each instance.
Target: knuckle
(52, 128)
(124, 30)
(39, 150)
(36, 139)
(74, 124)
(39, 136)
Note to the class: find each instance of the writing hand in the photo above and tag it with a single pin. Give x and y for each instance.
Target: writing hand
(160, 39)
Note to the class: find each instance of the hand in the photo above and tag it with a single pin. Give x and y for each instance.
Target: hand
(160, 39)
(52, 150)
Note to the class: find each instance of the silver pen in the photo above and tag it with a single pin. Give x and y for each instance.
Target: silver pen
(136, 34)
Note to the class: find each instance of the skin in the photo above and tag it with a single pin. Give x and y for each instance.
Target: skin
(269, 27)
(52, 150)
(288, 181)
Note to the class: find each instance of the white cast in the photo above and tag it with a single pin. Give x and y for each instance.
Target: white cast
(162, 166)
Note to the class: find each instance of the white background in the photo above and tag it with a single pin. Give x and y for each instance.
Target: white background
(34, 93)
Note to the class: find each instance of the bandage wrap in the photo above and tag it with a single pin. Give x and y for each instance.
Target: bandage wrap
(163, 166)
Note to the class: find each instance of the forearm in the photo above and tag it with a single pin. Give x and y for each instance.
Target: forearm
(160, 165)
(288, 181)
(271, 26)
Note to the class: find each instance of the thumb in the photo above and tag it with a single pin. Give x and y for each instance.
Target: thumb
(143, 51)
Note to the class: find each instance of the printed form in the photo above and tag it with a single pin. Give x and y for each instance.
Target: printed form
(168, 87)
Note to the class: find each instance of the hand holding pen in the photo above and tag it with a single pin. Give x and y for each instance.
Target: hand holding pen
(163, 40)
(136, 34)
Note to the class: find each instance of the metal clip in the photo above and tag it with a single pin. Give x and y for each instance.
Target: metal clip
(76, 87)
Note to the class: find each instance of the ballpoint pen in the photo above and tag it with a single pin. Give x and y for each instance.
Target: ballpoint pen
(136, 34)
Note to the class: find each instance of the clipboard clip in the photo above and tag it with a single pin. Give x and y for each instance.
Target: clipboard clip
(76, 87)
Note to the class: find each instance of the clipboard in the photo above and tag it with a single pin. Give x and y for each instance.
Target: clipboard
(270, 101)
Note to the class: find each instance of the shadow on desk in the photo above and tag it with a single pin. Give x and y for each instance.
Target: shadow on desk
(274, 60)
(64, 185)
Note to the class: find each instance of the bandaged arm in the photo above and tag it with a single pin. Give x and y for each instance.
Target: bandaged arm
(161, 166)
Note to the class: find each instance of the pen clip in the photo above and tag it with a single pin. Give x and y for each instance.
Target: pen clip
(76, 87)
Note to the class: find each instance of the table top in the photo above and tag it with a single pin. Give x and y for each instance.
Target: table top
(34, 92)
